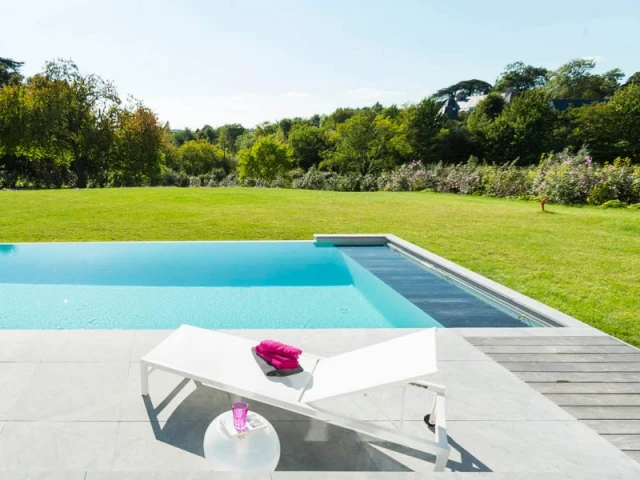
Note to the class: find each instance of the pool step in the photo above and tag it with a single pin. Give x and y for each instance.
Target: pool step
(439, 297)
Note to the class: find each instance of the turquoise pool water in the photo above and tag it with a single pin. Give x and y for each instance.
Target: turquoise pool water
(208, 284)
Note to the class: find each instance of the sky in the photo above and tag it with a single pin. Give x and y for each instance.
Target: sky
(213, 62)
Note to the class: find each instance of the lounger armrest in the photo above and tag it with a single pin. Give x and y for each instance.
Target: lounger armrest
(434, 387)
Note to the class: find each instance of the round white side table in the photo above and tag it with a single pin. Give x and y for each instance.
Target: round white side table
(257, 451)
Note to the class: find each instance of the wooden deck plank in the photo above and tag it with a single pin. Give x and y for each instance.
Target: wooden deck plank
(594, 399)
(581, 377)
(522, 349)
(605, 413)
(565, 357)
(614, 427)
(625, 442)
(590, 388)
(571, 367)
(542, 341)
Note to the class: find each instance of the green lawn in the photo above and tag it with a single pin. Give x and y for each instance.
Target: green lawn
(582, 261)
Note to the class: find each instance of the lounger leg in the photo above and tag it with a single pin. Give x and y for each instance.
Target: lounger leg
(432, 417)
(404, 399)
(441, 462)
(144, 378)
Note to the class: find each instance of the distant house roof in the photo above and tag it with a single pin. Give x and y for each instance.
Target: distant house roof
(462, 103)
(563, 104)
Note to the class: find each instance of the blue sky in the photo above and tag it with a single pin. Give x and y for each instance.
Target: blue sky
(215, 62)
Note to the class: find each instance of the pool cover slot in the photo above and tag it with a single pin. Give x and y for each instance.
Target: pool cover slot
(525, 314)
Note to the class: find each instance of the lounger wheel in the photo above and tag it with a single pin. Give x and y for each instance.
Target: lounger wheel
(427, 420)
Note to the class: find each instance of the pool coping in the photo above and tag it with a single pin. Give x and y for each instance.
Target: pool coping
(510, 297)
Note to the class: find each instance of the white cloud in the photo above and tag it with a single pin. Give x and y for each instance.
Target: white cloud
(595, 58)
(369, 93)
(294, 94)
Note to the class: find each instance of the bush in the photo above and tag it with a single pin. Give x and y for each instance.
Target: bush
(194, 182)
(409, 177)
(567, 178)
(368, 183)
(462, 178)
(230, 180)
(613, 204)
(314, 179)
(634, 206)
(507, 180)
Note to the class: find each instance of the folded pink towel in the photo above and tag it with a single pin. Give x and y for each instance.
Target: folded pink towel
(278, 348)
(278, 361)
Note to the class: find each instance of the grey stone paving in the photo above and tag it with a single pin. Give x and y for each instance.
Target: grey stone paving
(70, 407)
(595, 379)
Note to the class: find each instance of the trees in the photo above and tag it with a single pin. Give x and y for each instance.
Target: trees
(624, 120)
(633, 80)
(9, 71)
(137, 154)
(468, 87)
(307, 144)
(521, 77)
(523, 129)
(575, 80)
(80, 111)
(227, 136)
(367, 143)
(207, 133)
(266, 159)
(424, 121)
(198, 157)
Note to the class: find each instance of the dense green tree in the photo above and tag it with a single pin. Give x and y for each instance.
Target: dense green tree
(624, 118)
(367, 143)
(207, 133)
(227, 137)
(181, 137)
(285, 126)
(307, 144)
(9, 71)
(491, 106)
(575, 80)
(138, 137)
(266, 159)
(423, 122)
(521, 77)
(633, 80)
(587, 126)
(199, 156)
(468, 87)
(523, 130)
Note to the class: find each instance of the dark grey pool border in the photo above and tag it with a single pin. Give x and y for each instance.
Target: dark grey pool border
(528, 306)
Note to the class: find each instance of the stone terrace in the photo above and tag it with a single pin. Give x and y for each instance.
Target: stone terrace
(70, 407)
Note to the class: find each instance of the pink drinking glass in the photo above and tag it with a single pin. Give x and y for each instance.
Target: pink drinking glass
(240, 410)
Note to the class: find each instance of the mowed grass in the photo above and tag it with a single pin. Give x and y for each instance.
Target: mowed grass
(582, 261)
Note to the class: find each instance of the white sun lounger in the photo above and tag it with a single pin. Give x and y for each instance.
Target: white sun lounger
(225, 362)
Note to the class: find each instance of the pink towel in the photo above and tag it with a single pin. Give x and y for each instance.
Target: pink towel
(281, 363)
(271, 346)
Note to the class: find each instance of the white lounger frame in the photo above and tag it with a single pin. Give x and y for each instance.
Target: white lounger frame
(436, 417)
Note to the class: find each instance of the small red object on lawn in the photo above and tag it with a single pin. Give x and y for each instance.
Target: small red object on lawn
(544, 200)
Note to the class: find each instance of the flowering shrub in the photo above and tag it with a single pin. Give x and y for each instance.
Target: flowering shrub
(462, 178)
(507, 180)
(566, 178)
(410, 176)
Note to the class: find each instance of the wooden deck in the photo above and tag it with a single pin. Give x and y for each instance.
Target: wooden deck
(595, 379)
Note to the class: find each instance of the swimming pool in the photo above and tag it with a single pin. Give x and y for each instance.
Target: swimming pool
(156, 285)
